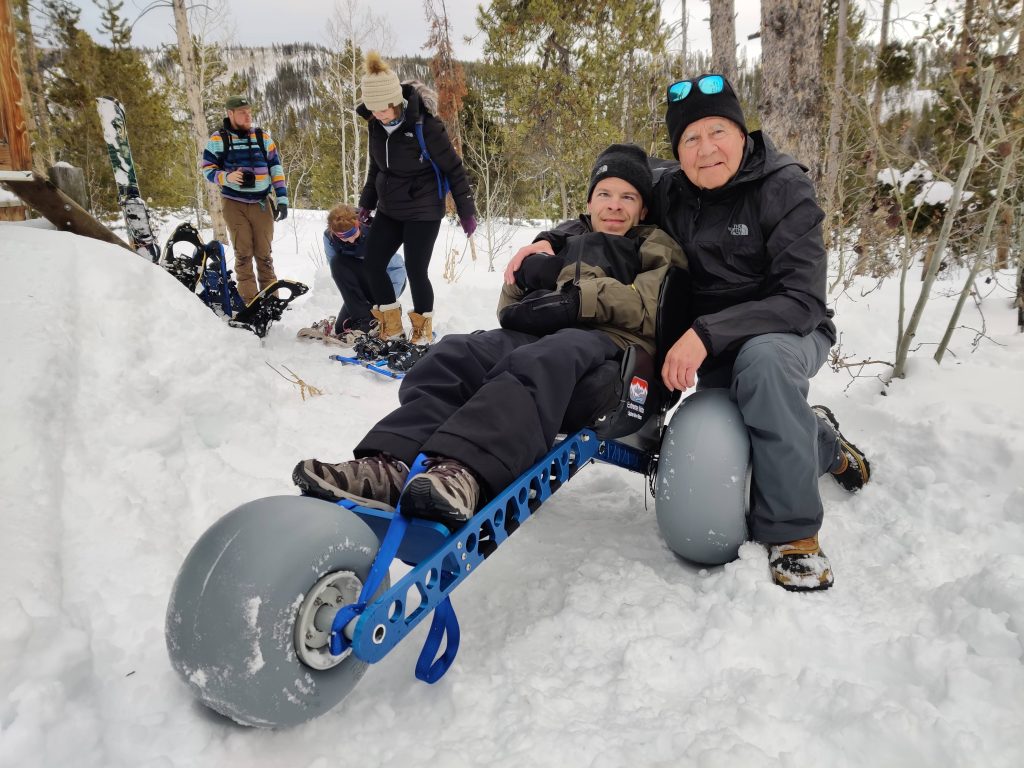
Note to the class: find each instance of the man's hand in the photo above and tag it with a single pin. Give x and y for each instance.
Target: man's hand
(235, 177)
(541, 246)
(682, 361)
(282, 212)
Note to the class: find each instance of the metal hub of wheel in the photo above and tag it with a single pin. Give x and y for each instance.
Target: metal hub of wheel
(316, 615)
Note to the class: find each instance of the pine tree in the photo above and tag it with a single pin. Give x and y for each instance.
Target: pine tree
(77, 138)
(568, 70)
(124, 75)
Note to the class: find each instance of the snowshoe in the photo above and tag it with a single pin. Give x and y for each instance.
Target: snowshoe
(267, 307)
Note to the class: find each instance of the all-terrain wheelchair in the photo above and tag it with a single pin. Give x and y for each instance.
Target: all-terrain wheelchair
(281, 605)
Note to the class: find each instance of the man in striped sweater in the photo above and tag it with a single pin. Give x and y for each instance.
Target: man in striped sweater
(243, 161)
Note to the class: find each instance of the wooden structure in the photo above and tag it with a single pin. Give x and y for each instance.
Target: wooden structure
(55, 206)
(15, 153)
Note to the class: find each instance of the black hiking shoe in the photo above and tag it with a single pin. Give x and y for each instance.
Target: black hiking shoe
(375, 481)
(800, 566)
(447, 492)
(855, 470)
(405, 355)
(373, 348)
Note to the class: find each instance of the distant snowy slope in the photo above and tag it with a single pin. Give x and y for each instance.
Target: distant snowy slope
(133, 418)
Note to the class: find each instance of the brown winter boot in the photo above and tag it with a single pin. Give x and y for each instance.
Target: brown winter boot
(800, 566)
(389, 321)
(422, 327)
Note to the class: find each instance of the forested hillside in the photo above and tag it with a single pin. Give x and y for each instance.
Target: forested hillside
(892, 128)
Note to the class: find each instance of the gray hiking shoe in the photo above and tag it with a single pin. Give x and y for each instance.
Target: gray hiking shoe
(447, 492)
(375, 481)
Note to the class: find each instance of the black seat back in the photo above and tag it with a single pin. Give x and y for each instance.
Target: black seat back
(628, 394)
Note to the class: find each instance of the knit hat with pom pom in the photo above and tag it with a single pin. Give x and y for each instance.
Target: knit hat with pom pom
(381, 88)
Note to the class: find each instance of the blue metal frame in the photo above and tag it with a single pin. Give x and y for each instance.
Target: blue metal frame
(442, 560)
(377, 366)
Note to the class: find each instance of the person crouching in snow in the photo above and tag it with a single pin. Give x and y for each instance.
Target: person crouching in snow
(345, 245)
(484, 407)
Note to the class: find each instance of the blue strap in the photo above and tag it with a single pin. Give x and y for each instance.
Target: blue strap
(378, 570)
(225, 290)
(442, 180)
(445, 622)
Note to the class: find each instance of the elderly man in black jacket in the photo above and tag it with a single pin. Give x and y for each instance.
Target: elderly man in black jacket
(746, 216)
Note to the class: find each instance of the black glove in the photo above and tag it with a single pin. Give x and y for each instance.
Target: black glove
(365, 216)
(542, 311)
(282, 212)
(539, 271)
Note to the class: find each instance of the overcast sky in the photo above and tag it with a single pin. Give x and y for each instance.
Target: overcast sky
(262, 22)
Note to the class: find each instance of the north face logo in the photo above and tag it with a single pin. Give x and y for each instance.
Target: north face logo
(410, 135)
(739, 230)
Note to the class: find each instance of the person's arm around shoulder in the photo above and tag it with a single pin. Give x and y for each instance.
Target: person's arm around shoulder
(550, 241)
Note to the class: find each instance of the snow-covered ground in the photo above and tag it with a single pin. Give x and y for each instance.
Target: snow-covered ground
(133, 418)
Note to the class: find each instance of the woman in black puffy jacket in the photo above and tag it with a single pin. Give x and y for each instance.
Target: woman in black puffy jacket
(406, 186)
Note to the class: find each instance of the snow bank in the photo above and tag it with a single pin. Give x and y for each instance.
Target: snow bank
(133, 418)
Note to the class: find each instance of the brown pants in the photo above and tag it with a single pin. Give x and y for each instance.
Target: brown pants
(252, 232)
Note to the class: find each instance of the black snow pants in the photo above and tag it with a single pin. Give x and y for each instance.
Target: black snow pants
(350, 276)
(493, 401)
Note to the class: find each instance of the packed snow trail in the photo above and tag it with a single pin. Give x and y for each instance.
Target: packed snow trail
(134, 417)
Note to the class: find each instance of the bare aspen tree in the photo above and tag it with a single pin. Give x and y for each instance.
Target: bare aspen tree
(449, 79)
(980, 257)
(791, 56)
(194, 98)
(833, 162)
(865, 240)
(495, 182)
(723, 37)
(684, 31)
(350, 30)
(966, 170)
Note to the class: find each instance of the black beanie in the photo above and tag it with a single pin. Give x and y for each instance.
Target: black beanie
(697, 105)
(627, 162)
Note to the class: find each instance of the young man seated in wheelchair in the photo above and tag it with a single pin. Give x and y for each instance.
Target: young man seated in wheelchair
(484, 407)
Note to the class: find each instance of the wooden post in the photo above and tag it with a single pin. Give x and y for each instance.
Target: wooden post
(71, 181)
(15, 154)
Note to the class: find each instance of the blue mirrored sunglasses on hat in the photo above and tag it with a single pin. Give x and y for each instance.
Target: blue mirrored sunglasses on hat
(709, 85)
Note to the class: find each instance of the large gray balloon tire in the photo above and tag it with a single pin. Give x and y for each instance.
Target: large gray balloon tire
(702, 490)
(231, 619)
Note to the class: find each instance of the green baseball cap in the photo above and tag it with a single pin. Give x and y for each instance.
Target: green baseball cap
(237, 102)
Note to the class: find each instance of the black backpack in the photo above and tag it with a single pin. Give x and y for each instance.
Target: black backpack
(225, 137)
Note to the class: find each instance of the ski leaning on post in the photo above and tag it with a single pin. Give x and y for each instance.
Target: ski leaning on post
(136, 215)
(203, 270)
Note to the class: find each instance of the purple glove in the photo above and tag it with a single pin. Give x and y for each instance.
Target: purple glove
(364, 215)
(468, 225)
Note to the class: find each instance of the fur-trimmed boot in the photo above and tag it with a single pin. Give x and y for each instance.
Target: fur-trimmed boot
(389, 321)
(422, 327)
